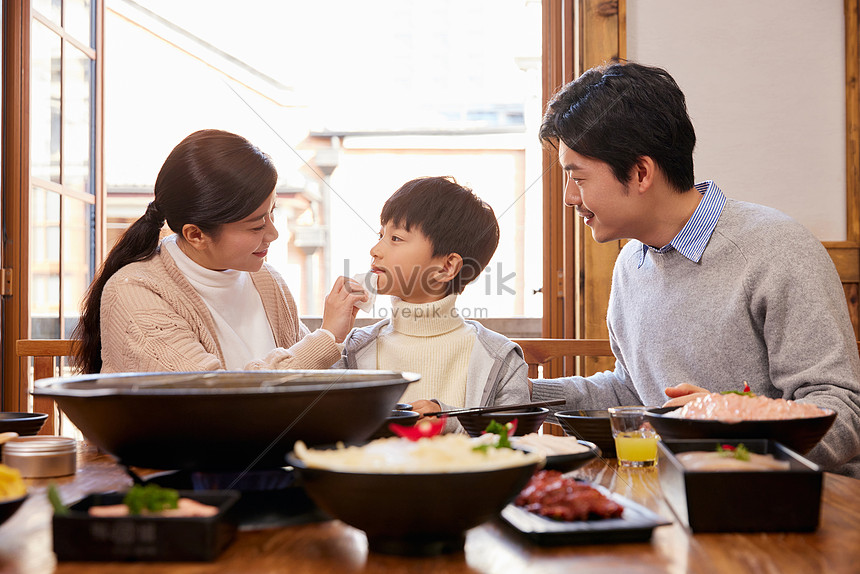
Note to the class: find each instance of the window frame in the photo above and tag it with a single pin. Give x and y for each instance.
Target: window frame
(18, 184)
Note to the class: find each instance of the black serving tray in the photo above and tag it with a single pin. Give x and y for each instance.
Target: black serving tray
(79, 536)
(754, 501)
(636, 524)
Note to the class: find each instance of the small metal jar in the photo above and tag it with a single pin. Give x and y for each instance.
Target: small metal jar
(41, 456)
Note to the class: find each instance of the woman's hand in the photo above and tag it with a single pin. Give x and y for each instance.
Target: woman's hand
(424, 406)
(683, 394)
(340, 310)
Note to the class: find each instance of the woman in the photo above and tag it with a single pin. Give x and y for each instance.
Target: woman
(204, 298)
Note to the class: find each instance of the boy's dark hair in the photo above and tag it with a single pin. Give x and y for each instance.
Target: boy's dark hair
(618, 113)
(452, 217)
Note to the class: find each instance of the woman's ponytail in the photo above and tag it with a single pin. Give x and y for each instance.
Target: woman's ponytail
(138, 243)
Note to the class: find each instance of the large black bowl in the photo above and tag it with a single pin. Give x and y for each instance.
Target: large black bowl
(413, 514)
(224, 420)
(800, 435)
(528, 420)
(24, 424)
(589, 425)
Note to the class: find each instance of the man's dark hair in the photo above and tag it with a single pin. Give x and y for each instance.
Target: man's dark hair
(618, 113)
(452, 217)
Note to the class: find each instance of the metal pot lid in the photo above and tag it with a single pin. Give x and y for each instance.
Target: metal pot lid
(218, 382)
(43, 445)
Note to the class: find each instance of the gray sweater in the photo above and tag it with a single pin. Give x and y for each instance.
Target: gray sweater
(764, 305)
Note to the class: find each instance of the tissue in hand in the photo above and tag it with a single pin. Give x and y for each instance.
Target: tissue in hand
(368, 282)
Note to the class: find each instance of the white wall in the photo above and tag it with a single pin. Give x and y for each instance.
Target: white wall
(765, 88)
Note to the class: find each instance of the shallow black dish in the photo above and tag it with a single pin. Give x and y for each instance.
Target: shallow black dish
(745, 501)
(399, 417)
(25, 424)
(569, 462)
(800, 435)
(589, 425)
(79, 536)
(528, 420)
(413, 514)
(10, 507)
(636, 524)
(224, 420)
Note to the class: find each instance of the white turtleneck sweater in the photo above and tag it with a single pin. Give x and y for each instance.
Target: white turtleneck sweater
(241, 325)
(431, 339)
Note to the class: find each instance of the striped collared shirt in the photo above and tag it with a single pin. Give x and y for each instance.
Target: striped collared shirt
(694, 237)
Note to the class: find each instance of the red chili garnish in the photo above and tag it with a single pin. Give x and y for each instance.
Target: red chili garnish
(746, 387)
(727, 447)
(421, 429)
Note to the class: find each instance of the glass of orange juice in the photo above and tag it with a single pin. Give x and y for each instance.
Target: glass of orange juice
(635, 439)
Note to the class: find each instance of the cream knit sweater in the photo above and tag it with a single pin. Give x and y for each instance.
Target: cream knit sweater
(152, 319)
(433, 340)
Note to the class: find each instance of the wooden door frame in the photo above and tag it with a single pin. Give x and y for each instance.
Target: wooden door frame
(16, 206)
(16, 188)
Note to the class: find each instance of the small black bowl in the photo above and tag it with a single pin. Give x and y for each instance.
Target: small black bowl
(528, 420)
(9, 507)
(399, 417)
(800, 435)
(402, 407)
(589, 425)
(25, 424)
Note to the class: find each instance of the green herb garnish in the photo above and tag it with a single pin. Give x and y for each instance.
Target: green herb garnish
(746, 392)
(60, 509)
(503, 431)
(151, 497)
(740, 452)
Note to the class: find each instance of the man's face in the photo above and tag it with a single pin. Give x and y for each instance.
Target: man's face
(605, 203)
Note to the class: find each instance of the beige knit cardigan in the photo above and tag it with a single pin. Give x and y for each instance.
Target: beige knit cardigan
(152, 319)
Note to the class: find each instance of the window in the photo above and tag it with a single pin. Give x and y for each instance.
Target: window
(62, 166)
(349, 113)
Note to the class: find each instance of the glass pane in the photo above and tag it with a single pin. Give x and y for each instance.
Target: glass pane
(78, 20)
(51, 9)
(44, 264)
(77, 120)
(45, 82)
(78, 256)
(472, 72)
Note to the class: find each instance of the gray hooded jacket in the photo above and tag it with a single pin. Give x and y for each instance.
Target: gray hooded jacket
(497, 373)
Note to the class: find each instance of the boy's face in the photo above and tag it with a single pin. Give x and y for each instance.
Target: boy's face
(605, 203)
(404, 263)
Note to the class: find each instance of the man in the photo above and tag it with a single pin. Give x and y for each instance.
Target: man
(710, 292)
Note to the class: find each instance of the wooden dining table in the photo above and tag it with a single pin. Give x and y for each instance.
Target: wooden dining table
(332, 546)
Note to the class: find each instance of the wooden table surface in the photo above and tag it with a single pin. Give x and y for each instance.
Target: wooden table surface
(25, 539)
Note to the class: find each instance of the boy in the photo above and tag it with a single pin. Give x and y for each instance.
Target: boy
(436, 237)
(710, 292)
